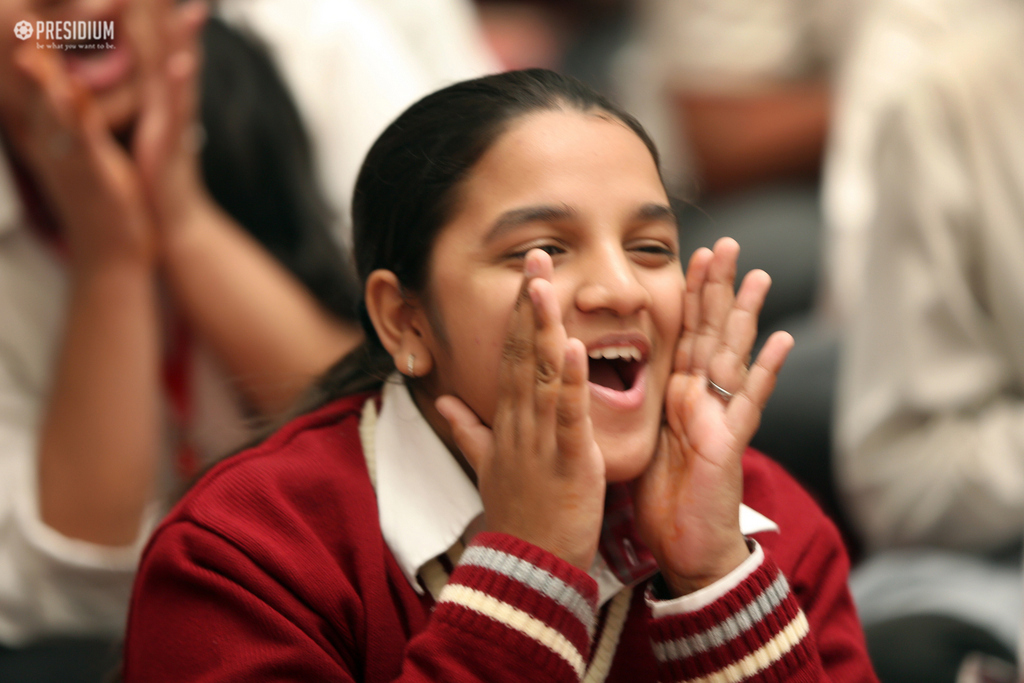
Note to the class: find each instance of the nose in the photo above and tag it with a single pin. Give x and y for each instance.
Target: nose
(609, 282)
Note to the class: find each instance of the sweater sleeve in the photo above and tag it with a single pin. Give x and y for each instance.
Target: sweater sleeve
(539, 607)
(204, 611)
(770, 626)
(756, 630)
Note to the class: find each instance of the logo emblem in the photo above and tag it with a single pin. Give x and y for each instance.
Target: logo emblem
(23, 30)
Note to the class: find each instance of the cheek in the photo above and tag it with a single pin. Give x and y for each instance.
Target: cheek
(667, 314)
(476, 320)
(668, 293)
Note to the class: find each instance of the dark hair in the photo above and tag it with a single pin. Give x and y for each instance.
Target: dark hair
(258, 166)
(408, 189)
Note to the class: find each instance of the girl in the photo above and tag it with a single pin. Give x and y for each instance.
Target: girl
(553, 490)
(132, 290)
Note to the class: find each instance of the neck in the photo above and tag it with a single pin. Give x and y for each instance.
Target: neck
(424, 397)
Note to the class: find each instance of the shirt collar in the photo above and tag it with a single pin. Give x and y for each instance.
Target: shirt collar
(426, 502)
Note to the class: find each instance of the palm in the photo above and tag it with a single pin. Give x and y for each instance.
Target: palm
(687, 503)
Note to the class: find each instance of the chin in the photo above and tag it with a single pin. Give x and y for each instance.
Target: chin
(626, 456)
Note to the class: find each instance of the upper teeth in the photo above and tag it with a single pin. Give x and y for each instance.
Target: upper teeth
(612, 352)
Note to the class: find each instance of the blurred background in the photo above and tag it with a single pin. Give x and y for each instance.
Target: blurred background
(868, 154)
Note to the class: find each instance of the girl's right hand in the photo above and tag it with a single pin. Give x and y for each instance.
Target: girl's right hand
(539, 471)
(82, 170)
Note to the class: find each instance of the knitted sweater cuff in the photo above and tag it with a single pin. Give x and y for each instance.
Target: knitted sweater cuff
(505, 589)
(755, 631)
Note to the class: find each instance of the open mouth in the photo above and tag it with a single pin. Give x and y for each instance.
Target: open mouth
(615, 367)
(98, 65)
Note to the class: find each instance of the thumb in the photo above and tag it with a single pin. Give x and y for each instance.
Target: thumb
(474, 439)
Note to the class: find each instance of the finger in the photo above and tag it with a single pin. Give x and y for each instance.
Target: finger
(549, 352)
(574, 434)
(67, 118)
(182, 69)
(154, 29)
(728, 366)
(171, 92)
(185, 60)
(696, 273)
(54, 91)
(191, 15)
(149, 144)
(473, 439)
(716, 301)
(517, 371)
(747, 405)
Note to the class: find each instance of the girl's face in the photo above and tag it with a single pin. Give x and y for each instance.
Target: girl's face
(584, 188)
(113, 75)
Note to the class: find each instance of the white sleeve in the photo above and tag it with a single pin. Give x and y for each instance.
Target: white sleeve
(705, 596)
(49, 584)
(930, 420)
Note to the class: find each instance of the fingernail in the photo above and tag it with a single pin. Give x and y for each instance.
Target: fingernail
(532, 267)
(439, 405)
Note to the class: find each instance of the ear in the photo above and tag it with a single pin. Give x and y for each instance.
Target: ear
(400, 323)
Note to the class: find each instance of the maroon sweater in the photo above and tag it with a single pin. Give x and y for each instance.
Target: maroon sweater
(273, 568)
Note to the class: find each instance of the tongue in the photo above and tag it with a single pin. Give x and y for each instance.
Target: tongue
(602, 372)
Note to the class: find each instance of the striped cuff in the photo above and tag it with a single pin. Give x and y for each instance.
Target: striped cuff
(755, 627)
(504, 588)
(705, 596)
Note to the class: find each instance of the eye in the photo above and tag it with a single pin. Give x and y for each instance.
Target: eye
(656, 249)
(653, 252)
(549, 248)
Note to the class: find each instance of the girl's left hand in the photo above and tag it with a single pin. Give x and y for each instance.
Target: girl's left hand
(687, 502)
(167, 139)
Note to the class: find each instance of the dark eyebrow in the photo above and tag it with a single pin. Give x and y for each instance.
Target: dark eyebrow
(656, 212)
(544, 213)
(528, 214)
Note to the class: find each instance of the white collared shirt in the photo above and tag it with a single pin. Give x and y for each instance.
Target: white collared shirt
(427, 503)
